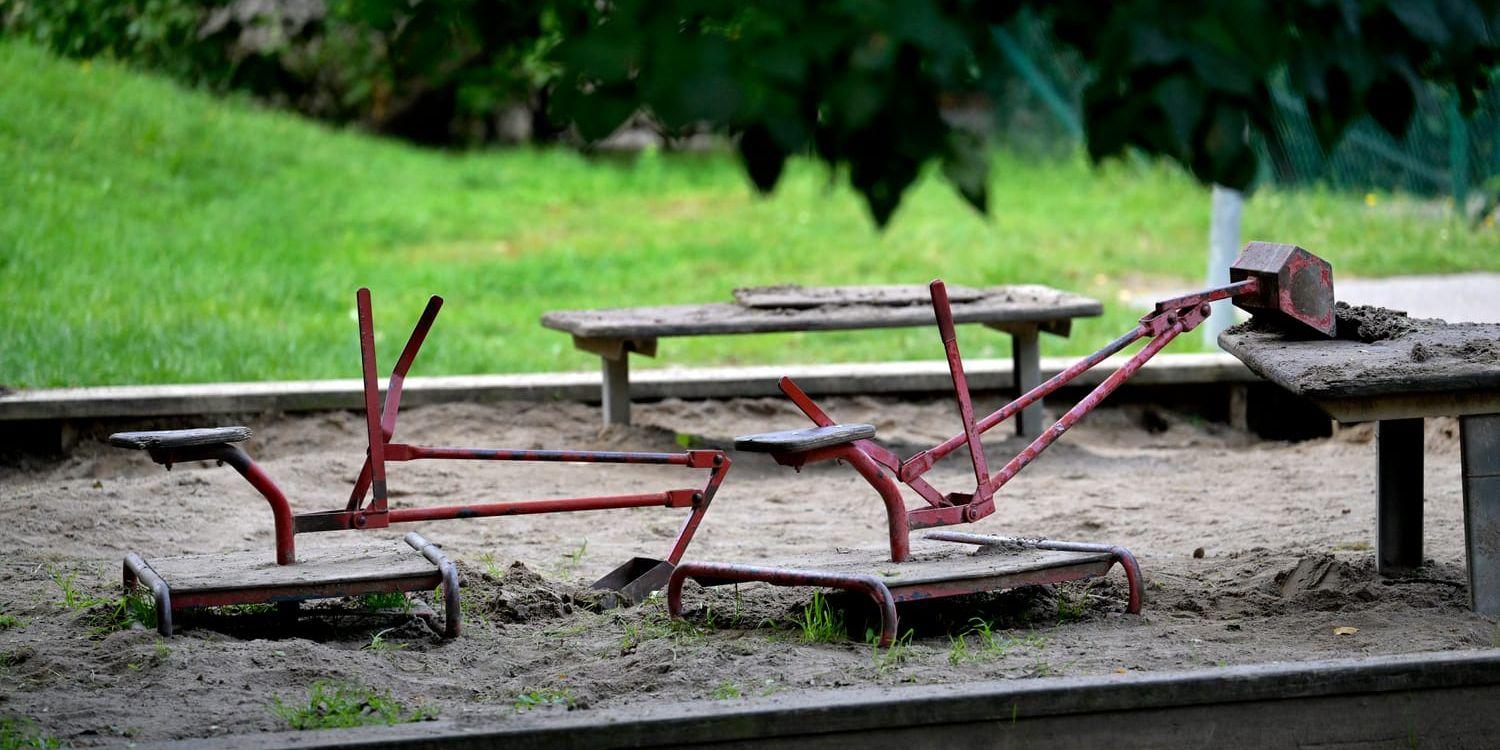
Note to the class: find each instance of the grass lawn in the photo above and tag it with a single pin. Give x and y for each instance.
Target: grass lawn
(150, 234)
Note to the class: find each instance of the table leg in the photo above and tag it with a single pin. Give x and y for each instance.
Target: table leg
(1398, 516)
(1479, 438)
(1027, 357)
(616, 395)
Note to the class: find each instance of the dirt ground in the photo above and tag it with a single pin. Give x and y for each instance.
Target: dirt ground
(1252, 551)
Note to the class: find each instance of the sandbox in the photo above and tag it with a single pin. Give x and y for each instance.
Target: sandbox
(1252, 552)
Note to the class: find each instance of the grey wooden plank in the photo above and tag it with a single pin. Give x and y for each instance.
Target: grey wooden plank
(795, 295)
(179, 438)
(343, 561)
(1424, 700)
(934, 562)
(1001, 304)
(715, 382)
(1429, 359)
(804, 439)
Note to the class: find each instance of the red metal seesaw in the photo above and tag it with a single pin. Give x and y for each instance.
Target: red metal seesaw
(368, 504)
(1284, 282)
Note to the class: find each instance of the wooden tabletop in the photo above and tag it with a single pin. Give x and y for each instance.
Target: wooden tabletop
(997, 305)
(1418, 368)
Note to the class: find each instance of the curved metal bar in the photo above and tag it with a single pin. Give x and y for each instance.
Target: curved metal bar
(136, 570)
(732, 572)
(1121, 555)
(281, 510)
(890, 493)
(451, 610)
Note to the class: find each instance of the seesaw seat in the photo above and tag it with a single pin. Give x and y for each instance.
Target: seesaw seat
(805, 439)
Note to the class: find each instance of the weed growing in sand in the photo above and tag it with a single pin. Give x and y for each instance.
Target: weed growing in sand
(386, 600)
(20, 734)
(890, 656)
(245, 609)
(656, 623)
(335, 706)
(112, 614)
(1040, 668)
(541, 697)
(73, 597)
(987, 643)
(1072, 604)
(570, 561)
(10, 621)
(492, 568)
(820, 623)
(379, 643)
(726, 691)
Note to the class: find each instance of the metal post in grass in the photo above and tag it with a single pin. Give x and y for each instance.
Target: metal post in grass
(1223, 243)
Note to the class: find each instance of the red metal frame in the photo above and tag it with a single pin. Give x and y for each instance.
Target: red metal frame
(886, 472)
(368, 505)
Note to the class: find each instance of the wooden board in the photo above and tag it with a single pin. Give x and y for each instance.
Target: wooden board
(1433, 369)
(1009, 304)
(938, 562)
(331, 562)
(898, 295)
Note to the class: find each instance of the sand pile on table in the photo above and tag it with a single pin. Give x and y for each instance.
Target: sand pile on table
(1369, 323)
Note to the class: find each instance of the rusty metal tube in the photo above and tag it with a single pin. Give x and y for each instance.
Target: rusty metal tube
(890, 494)
(527, 507)
(451, 610)
(136, 570)
(281, 510)
(401, 452)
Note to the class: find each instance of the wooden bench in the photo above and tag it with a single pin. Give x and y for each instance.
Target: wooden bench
(1432, 370)
(1023, 311)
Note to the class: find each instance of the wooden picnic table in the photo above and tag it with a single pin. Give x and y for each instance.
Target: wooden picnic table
(1430, 369)
(1023, 311)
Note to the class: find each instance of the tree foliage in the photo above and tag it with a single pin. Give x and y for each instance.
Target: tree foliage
(870, 85)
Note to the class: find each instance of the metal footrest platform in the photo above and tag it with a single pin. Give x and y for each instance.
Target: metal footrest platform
(948, 564)
(321, 572)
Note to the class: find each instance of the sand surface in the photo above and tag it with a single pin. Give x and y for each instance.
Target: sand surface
(1252, 551)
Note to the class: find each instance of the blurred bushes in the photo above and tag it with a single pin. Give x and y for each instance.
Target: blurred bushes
(433, 71)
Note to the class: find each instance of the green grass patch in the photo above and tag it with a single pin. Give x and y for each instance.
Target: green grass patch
(21, 734)
(543, 697)
(104, 614)
(820, 622)
(337, 705)
(153, 234)
(386, 600)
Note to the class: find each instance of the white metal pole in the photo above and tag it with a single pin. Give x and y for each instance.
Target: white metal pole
(1223, 243)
